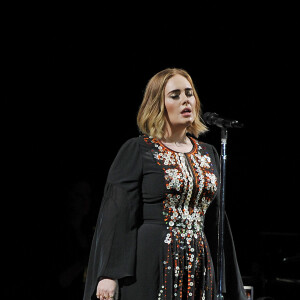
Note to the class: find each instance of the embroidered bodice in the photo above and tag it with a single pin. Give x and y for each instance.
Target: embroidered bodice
(191, 184)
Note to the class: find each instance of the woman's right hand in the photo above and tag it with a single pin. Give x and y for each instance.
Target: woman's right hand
(107, 289)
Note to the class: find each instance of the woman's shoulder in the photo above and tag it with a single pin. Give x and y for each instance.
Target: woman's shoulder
(205, 145)
(134, 141)
(128, 152)
(133, 144)
(208, 146)
(129, 144)
(131, 141)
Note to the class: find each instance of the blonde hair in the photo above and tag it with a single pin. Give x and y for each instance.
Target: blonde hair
(151, 115)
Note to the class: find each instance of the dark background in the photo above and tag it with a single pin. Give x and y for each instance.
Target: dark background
(74, 78)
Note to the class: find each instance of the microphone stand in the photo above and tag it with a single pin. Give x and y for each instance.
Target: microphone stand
(220, 260)
(214, 119)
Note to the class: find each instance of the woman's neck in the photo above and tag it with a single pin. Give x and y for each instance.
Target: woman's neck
(177, 141)
(175, 136)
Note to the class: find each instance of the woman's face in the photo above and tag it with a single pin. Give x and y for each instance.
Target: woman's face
(180, 102)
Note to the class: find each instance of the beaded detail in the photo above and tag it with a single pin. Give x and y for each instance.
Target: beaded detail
(191, 184)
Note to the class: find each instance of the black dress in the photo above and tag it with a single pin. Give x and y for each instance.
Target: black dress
(157, 227)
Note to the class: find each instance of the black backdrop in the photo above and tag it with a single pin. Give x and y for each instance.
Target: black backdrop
(74, 77)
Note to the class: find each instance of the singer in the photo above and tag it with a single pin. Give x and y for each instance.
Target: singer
(156, 233)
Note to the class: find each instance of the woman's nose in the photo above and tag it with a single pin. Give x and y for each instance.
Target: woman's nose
(185, 100)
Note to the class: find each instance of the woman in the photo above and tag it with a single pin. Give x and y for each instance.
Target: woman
(156, 234)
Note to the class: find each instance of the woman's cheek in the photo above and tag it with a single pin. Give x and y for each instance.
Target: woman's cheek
(170, 109)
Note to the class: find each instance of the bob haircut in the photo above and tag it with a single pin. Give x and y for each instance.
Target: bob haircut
(151, 115)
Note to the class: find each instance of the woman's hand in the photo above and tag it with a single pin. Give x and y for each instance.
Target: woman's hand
(107, 289)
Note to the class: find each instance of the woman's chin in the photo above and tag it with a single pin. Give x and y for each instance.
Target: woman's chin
(189, 122)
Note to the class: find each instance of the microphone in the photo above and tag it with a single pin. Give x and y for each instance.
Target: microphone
(214, 119)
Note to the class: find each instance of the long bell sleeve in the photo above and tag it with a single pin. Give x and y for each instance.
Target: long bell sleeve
(113, 248)
(232, 283)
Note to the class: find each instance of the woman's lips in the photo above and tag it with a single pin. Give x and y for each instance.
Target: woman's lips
(187, 112)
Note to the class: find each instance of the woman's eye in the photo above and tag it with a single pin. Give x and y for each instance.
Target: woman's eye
(175, 97)
(189, 93)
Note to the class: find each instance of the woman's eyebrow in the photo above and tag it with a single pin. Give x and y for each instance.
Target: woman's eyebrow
(178, 90)
(174, 91)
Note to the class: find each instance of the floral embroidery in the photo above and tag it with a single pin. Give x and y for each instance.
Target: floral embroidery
(191, 185)
(212, 182)
(173, 178)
